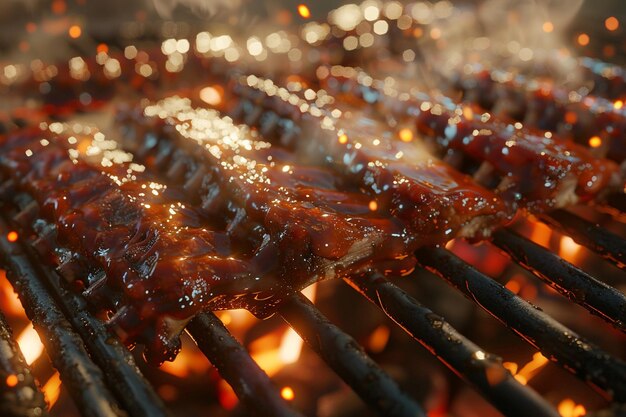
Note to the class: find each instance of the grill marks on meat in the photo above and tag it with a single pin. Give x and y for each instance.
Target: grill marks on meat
(302, 220)
(433, 200)
(536, 170)
(161, 263)
(538, 103)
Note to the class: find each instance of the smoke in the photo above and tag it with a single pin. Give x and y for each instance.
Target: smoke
(535, 24)
(203, 8)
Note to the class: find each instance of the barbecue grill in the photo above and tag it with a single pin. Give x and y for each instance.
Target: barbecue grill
(101, 374)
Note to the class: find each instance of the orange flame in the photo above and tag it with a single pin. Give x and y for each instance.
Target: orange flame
(9, 300)
(189, 361)
(528, 371)
(541, 234)
(272, 352)
(52, 389)
(568, 408)
(568, 249)
(227, 397)
(30, 344)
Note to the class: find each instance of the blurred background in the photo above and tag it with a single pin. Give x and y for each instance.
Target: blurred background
(52, 29)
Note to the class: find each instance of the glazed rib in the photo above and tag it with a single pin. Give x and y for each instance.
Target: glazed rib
(136, 250)
(434, 201)
(536, 170)
(540, 104)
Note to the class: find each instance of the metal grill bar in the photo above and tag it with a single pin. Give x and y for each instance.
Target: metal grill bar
(596, 296)
(348, 359)
(554, 340)
(126, 380)
(122, 375)
(232, 360)
(608, 245)
(117, 363)
(19, 394)
(466, 359)
(64, 346)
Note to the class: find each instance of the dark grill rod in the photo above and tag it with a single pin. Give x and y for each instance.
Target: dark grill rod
(122, 375)
(348, 359)
(251, 384)
(596, 296)
(555, 341)
(83, 379)
(19, 394)
(118, 365)
(608, 245)
(462, 356)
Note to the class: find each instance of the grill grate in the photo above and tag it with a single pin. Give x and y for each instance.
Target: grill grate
(83, 351)
(567, 279)
(465, 358)
(606, 244)
(554, 340)
(101, 375)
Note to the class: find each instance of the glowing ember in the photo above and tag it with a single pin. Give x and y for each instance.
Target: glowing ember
(30, 344)
(11, 380)
(568, 249)
(226, 395)
(12, 236)
(378, 339)
(75, 31)
(211, 95)
(611, 23)
(373, 205)
(595, 142)
(548, 27)
(52, 389)
(287, 393)
(405, 135)
(568, 408)
(304, 11)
